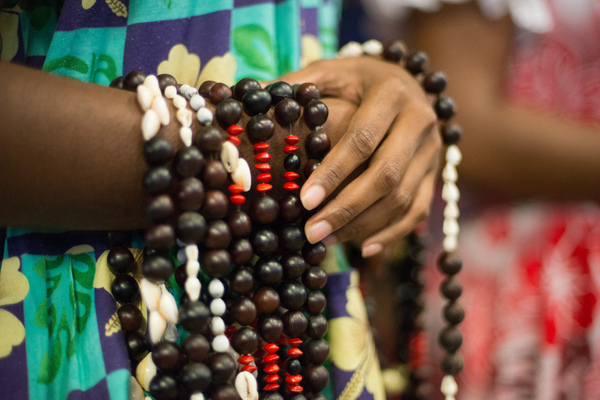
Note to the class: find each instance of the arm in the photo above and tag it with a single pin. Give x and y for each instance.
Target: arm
(509, 149)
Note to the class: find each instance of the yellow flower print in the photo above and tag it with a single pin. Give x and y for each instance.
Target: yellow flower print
(14, 286)
(116, 6)
(312, 50)
(185, 67)
(353, 349)
(9, 26)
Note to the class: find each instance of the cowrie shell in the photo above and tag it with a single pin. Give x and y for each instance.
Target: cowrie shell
(162, 110)
(150, 294)
(145, 371)
(156, 325)
(151, 82)
(242, 175)
(229, 156)
(150, 124)
(192, 288)
(168, 307)
(145, 97)
(246, 386)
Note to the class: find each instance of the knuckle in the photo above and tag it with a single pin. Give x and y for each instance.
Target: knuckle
(343, 214)
(403, 199)
(362, 143)
(389, 176)
(333, 176)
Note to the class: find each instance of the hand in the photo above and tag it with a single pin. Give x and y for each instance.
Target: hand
(394, 131)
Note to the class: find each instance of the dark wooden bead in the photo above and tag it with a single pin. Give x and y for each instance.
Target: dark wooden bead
(120, 260)
(188, 162)
(317, 144)
(287, 112)
(133, 79)
(137, 346)
(196, 348)
(451, 133)
(239, 223)
(209, 139)
(269, 328)
(222, 366)
(291, 237)
(394, 51)
(454, 313)
(191, 227)
(264, 209)
(316, 350)
(164, 387)
(218, 234)
(314, 278)
(160, 208)
(216, 263)
(416, 63)
(228, 113)
(450, 339)
(307, 92)
(449, 263)
(435, 82)
(157, 268)
(243, 311)
(244, 340)
(451, 288)
(205, 88)
(315, 302)
(290, 207)
(241, 280)
(444, 107)
(160, 237)
(315, 377)
(269, 396)
(452, 364)
(291, 163)
(117, 83)
(260, 128)
(224, 392)
(214, 175)
(165, 80)
(317, 326)
(279, 91)
(190, 194)
(215, 205)
(292, 295)
(315, 114)
(195, 377)
(256, 101)
(244, 86)
(314, 254)
(157, 180)
(240, 250)
(293, 366)
(268, 271)
(219, 92)
(266, 300)
(294, 323)
(193, 316)
(264, 242)
(130, 317)
(158, 151)
(310, 167)
(293, 265)
(125, 288)
(168, 357)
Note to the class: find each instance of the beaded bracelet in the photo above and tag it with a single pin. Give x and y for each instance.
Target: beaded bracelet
(434, 83)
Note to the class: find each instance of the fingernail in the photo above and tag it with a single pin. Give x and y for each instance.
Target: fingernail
(329, 240)
(313, 197)
(371, 250)
(318, 231)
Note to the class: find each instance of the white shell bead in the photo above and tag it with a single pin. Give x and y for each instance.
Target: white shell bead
(217, 326)
(192, 288)
(453, 155)
(156, 325)
(450, 192)
(351, 49)
(449, 387)
(246, 385)
(450, 243)
(179, 102)
(220, 344)
(451, 210)
(184, 116)
(189, 92)
(184, 88)
(449, 173)
(162, 110)
(186, 135)
(217, 307)
(197, 396)
(196, 102)
(150, 294)
(192, 268)
(216, 288)
(171, 333)
(135, 390)
(168, 307)
(145, 97)
(145, 371)
(242, 175)
(450, 227)
(170, 92)
(151, 82)
(372, 47)
(192, 252)
(150, 124)
(229, 156)
(204, 115)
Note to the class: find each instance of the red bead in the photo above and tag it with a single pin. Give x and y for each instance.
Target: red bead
(295, 342)
(230, 330)
(263, 156)
(263, 167)
(271, 369)
(295, 388)
(294, 352)
(261, 146)
(236, 189)
(291, 139)
(271, 348)
(290, 149)
(271, 358)
(272, 378)
(235, 130)
(234, 140)
(263, 178)
(249, 368)
(245, 359)
(291, 175)
(291, 186)
(271, 387)
(293, 379)
(238, 199)
(264, 187)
